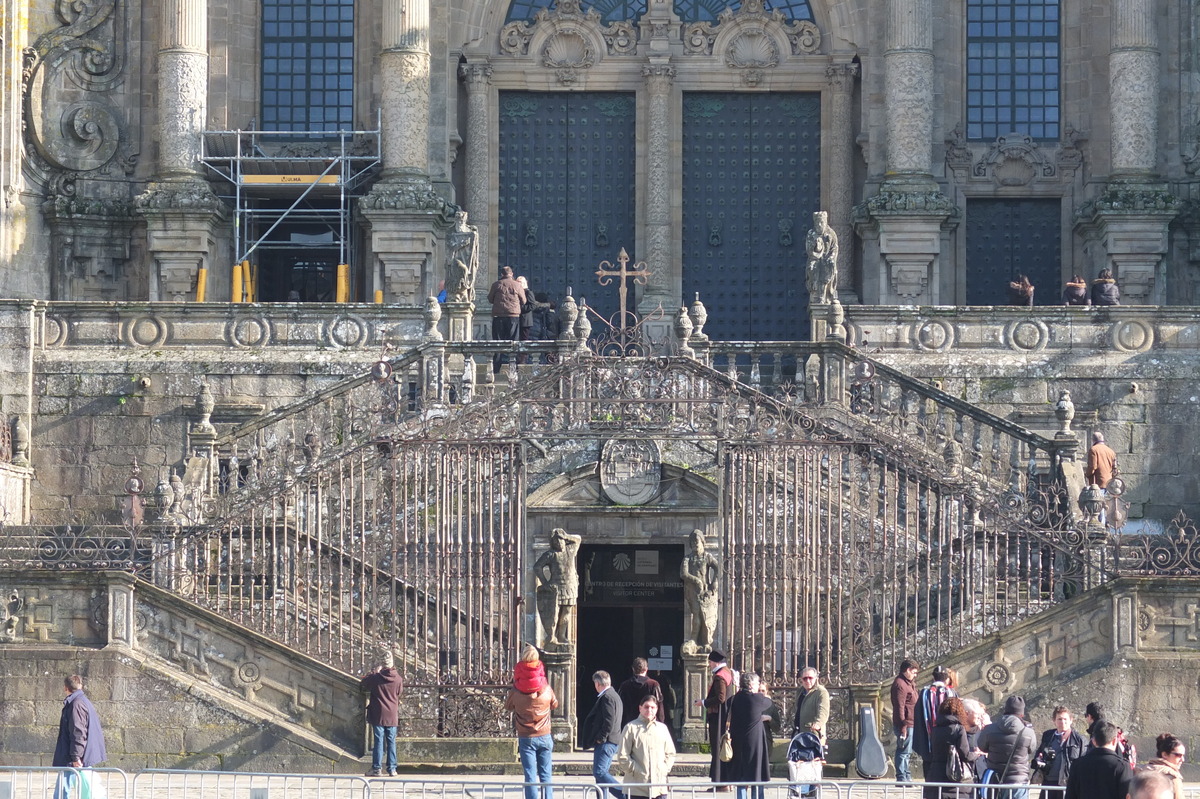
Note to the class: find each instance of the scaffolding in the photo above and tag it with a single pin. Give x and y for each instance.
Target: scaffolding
(292, 176)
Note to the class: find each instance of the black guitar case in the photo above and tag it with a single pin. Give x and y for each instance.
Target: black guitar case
(870, 760)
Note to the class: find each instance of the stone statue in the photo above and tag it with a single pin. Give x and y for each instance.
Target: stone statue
(822, 244)
(462, 261)
(558, 585)
(700, 573)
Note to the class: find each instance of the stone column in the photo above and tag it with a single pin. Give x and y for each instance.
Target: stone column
(478, 78)
(122, 613)
(408, 218)
(696, 677)
(665, 286)
(560, 673)
(1130, 218)
(840, 158)
(903, 225)
(180, 209)
(1133, 88)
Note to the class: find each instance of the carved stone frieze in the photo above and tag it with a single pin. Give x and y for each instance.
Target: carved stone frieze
(1014, 160)
(72, 77)
(890, 202)
(407, 194)
(194, 196)
(752, 37)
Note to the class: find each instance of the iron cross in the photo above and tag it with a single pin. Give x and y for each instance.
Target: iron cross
(639, 273)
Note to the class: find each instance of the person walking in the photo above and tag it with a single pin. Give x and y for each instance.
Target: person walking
(904, 703)
(602, 731)
(1169, 756)
(1101, 773)
(751, 761)
(646, 754)
(531, 716)
(80, 736)
(637, 688)
(1009, 744)
(1059, 748)
(1105, 290)
(383, 713)
(717, 715)
(506, 296)
(949, 731)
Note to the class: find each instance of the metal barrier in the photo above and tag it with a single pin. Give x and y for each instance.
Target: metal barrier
(879, 789)
(63, 783)
(247, 785)
(403, 788)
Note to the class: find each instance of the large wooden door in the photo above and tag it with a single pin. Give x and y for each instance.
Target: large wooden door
(1005, 237)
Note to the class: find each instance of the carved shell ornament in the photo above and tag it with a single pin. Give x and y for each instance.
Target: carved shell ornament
(752, 49)
(567, 48)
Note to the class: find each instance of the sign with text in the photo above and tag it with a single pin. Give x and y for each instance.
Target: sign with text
(630, 575)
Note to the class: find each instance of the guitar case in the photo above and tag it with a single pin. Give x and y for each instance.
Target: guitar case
(870, 759)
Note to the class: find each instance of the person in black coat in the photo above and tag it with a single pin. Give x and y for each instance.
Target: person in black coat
(1105, 290)
(751, 762)
(1101, 773)
(1059, 748)
(947, 731)
(637, 688)
(602, 731)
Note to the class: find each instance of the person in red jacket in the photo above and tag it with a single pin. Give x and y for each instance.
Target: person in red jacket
(383, 713)
(904, 703)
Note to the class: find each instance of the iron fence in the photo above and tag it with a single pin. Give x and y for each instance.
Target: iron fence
(64, 783)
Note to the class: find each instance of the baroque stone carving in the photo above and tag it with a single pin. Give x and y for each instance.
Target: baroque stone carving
(558, 587)
(752, 49)
(908, 86)
(1014, 161)
(567, 49)
(630, 470)
(189, 195)
(407, 194)
(621, 38)
(745, 25)
(701, 576)
(515, 37)
(907, 202)
(822, 270)
(462, 261)
(70, 76)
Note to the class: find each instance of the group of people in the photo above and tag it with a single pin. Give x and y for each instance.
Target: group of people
(1103, 291)
(747, 713)
(520, 315)
(959, 743)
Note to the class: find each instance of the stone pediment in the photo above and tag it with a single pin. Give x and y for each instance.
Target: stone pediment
(752, 37)
(568, 39)
(581, 488)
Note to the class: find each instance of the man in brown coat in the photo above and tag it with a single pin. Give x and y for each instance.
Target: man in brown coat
(1101, 462)
(383, 713)
(904, 703)
(506, 296)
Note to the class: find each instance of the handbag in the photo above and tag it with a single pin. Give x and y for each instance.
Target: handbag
(957, 769)
(726, 750)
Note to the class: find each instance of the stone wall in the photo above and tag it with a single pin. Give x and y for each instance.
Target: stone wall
(1130, 645)
(1130, 370)
(177, 687)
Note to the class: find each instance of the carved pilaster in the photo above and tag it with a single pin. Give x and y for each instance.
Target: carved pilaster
(841, 159)
(1134, 101)
(908, 86)
(478, 78)
(409, 221)
(1128, 223)
(903, 227)
(663, 287)
(181, 222)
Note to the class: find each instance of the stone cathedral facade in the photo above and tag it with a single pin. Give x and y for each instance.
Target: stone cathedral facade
(952, 144)
(239, 420)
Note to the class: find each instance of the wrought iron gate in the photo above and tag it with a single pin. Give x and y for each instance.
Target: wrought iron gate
(751, 181)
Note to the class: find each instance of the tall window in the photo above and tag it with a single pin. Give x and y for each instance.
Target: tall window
(308, 65)
(688, 10)
(1013, 68)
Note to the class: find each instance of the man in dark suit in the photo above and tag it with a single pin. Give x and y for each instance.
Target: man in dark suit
(602, 730)
(1101, 773)
(637, 688)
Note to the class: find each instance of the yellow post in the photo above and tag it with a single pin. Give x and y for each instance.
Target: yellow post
(379, 296)
(343, 283)
(247, 283)
(201, 284)
(235, 294)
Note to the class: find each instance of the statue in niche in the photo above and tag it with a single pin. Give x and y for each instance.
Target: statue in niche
(462, 261)
(822, 245)
(558, 586)
(701, 574)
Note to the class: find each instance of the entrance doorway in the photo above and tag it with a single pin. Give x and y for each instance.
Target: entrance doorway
(630, 605)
